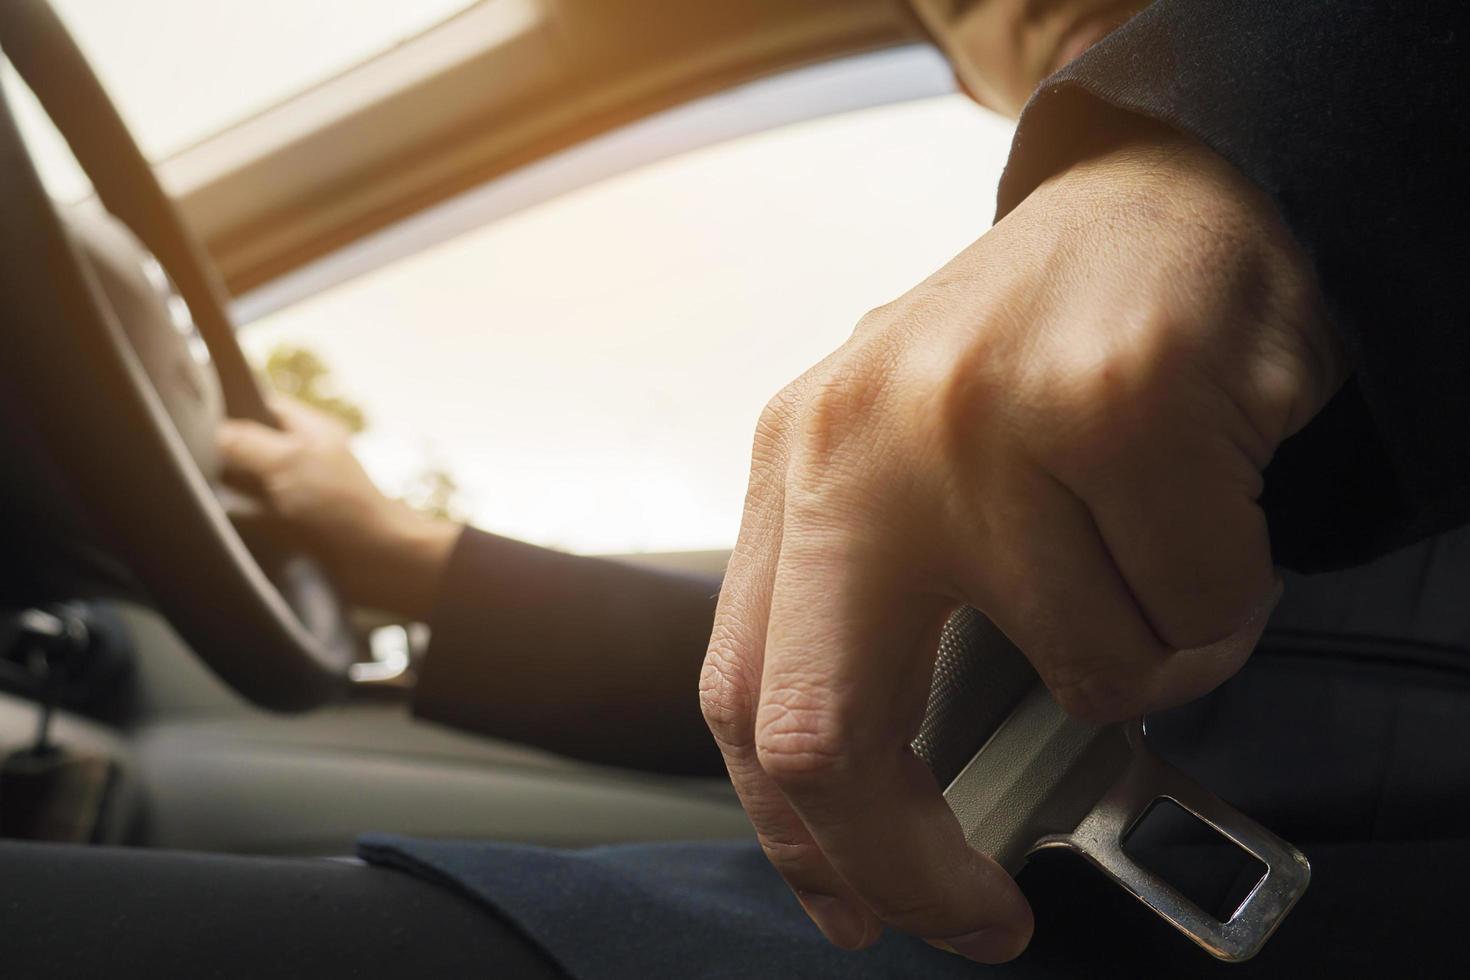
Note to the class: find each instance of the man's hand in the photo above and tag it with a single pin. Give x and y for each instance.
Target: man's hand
(1065, 427)
(383, 552)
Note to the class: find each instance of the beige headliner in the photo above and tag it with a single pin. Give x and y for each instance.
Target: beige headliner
(501, 85)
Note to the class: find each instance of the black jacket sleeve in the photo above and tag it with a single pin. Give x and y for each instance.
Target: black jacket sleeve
(584, 656)
(1352, 116)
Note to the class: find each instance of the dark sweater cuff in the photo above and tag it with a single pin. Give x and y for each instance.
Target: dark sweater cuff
(487, 579)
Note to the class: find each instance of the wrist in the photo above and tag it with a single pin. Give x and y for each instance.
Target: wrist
(401, 559)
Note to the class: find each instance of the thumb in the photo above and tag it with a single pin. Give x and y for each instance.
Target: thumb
(1189, 674)
(253, 448)
(299, 417)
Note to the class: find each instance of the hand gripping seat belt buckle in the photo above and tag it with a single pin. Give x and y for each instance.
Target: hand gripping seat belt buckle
(1021, 776)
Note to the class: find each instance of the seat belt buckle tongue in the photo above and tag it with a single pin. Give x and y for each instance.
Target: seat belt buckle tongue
(1148, 780)
(1042, 780)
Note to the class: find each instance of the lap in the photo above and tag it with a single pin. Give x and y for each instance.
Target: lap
(92, 911)
(1363, 767)
(1359, 763)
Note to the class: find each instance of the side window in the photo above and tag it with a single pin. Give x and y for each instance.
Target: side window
(586, 373)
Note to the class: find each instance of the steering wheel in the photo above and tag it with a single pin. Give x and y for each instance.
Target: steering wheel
(122, 342)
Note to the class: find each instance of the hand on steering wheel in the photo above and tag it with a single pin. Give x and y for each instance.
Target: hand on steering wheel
(93, 341)
(385, 554)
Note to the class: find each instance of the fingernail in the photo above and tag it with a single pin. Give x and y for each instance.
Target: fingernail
(995, 945)
(839, 921)
(1264, 607)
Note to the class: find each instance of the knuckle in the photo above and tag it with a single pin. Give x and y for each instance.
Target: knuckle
(979, 393)
(725, 699)
(260, 461)
(800, 746)
(1093, 417)
(770, 430)
(777, 414)
(841, 407)
(875, 320)
(323, 444)
(297, 453)
(1092, 404)
(279, 486)
(773, 427)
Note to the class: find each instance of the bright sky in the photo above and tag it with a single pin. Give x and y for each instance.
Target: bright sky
(589, 369)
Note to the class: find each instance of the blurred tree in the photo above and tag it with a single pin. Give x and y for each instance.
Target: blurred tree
(435, 492)
(301, 373)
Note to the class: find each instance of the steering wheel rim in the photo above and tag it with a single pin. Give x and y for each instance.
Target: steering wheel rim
(117, 441)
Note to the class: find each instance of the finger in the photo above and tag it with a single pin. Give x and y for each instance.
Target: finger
(1189, 539)
(1189, 674)
(849, 656)
(1045, 578)
(296, 416)
(252, 447)
(729, 687)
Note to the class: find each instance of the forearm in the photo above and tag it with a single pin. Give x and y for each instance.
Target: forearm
(583, 656)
